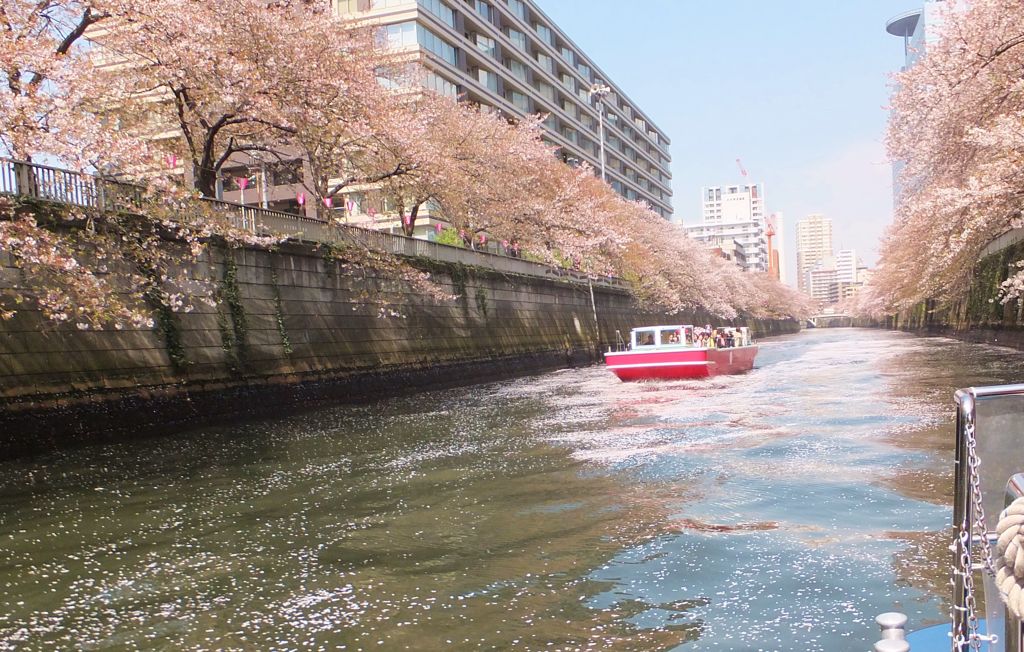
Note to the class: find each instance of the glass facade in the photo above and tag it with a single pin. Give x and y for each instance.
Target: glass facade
(440, 85)
(535, 68)
(518, 39)
(518, 9)
(546, 35)
(437, 45)
(441, 10)
(400, 35)
(487, 79)
(487, 45)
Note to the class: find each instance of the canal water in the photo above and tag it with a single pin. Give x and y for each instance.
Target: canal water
(778, 510)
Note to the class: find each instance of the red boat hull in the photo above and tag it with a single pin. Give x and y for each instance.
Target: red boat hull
(680, 364)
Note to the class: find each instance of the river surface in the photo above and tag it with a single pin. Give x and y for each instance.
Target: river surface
(778, 510)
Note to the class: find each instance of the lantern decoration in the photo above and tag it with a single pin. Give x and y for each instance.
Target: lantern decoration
(328, 202)
(301, 198)
(439, 227)
(407, 220)
(171, 160)
(351, 206)
(483, 239)
(243, 182)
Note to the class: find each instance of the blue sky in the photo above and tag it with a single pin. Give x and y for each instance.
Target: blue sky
(795, 88)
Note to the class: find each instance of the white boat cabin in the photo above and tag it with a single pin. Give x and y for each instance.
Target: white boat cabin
(682, 336)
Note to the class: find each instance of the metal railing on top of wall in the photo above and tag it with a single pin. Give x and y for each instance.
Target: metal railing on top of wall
(89, 191)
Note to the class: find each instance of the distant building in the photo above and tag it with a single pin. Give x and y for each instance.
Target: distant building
(918, 28)
(847, 264)
(735, 213)
(823, 284)
(507, 54)
(835, 278)
(813, 246)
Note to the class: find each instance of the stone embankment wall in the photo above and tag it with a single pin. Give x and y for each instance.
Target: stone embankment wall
(296, 328)
(980, 316)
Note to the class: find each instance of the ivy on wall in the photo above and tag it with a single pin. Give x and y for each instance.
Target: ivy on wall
(279, 313)
(983, 304)
(233, 325)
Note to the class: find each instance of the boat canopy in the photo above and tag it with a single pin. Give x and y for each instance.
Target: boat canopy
(653, 336)
(650, 337)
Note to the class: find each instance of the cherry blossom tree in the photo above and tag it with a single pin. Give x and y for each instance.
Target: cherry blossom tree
(49, 90)
(956, 128)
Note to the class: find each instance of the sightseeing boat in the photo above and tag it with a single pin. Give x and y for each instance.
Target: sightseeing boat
(680, 352)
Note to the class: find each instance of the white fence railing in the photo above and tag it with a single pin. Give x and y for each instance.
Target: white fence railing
(89, 191)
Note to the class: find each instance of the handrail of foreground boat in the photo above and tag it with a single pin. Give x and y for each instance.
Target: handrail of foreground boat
(972, 545)
(966, 492)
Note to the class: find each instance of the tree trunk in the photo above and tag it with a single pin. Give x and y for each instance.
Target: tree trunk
(409, 227)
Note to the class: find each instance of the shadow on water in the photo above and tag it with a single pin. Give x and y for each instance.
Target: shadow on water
(777, 510)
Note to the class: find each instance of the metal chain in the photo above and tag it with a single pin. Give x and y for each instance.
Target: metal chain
(967, 531)
(980, 528)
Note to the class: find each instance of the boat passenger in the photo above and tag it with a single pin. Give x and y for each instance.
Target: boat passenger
(673, 338)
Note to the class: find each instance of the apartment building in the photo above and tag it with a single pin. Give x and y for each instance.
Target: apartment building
(735, 213)
(813, 246)
(507, 54)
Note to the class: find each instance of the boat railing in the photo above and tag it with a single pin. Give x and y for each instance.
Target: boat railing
(989, 431)
(620, 344)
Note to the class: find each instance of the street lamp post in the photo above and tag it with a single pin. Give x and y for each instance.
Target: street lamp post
(600, 91)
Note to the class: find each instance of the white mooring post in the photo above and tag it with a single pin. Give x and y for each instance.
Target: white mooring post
(893, 626)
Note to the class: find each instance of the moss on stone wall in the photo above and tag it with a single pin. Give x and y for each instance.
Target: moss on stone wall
(233, 325)
(286, 343)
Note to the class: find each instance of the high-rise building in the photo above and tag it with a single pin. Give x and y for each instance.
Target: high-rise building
(735, 213)
(813, 246)
(918, 28)
(507, 54)
(847, 265)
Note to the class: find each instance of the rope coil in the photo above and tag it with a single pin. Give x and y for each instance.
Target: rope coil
(1009, 558)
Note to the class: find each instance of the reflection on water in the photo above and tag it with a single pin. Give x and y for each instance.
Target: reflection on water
(778, 510)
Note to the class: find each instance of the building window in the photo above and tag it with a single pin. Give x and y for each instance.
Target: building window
(519, 100)
(570, 107)
(353, 6)
(440, 85)
(518, 39)
(487, 45)
(584, 70)
(441, 10)
(546, 62)
(546, 35)
(518, 69)
(547, 91)
(485, 10)
(487, 79)
(567, 56)
(437, 45)
(399, 35)
(518, 8)
(568, 82)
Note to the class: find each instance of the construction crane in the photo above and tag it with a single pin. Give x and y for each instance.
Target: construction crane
(769, 228)
(743, 170)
